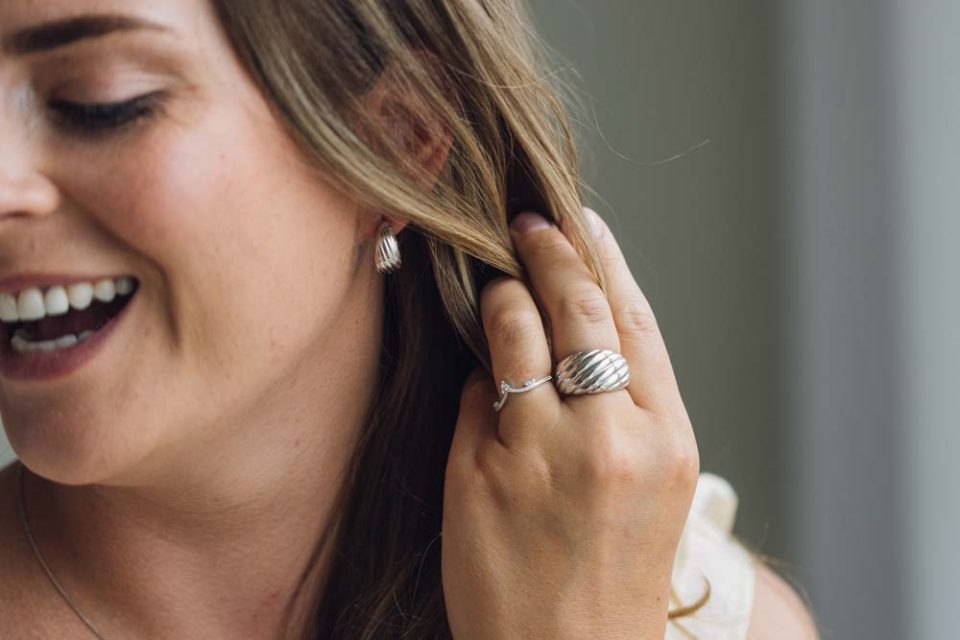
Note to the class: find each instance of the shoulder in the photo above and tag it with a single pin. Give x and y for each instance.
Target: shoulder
(721, 589)
(778, 612)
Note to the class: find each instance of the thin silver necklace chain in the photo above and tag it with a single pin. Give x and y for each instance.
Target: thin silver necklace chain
(22, 511)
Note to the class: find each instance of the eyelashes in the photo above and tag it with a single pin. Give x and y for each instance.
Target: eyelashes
(100, 119)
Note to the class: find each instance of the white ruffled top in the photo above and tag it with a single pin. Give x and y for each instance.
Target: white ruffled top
(707, 548)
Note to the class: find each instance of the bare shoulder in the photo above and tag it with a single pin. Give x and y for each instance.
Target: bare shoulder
(778, 611)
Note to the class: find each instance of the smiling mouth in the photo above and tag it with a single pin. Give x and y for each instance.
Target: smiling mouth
(61, 317)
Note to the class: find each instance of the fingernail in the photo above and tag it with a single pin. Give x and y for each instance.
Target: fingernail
(528, 221)
(596, 225)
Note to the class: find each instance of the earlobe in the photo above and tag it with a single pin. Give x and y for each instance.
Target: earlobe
(374, 220)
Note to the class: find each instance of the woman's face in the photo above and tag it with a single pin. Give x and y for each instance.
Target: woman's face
(245, 261)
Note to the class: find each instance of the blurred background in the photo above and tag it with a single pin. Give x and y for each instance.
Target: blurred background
(783, 178)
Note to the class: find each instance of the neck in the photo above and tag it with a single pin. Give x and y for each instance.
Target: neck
(231, 538)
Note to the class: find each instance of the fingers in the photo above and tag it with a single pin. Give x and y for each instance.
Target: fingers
(652, 381)
(580, 316)
(518, 344)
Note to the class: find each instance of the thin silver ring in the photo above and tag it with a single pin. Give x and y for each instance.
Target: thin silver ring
(506, 389)
(593, 371)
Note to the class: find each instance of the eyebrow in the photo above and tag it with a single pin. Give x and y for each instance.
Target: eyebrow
(59, 33)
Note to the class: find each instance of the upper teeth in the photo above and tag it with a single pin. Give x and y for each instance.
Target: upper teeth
(34, 304)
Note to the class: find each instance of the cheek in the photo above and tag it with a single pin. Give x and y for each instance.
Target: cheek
(249, 252)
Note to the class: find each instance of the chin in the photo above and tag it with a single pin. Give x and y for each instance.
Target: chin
(71, 452)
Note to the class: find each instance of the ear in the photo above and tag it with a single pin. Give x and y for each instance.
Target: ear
(403, 114)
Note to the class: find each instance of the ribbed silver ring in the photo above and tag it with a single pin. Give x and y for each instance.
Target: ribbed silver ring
(594, 371)
(388, 250)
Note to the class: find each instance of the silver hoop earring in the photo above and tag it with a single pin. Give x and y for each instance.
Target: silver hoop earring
(388, 251)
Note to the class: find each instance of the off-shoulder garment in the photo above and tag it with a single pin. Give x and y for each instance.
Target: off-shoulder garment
(707, 549)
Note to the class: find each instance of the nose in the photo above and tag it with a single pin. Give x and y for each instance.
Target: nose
(24, 191)
(25, 194)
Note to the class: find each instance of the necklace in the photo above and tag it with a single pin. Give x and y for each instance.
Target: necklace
(22, 512)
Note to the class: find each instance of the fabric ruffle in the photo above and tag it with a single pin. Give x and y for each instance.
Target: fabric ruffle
(708, 550)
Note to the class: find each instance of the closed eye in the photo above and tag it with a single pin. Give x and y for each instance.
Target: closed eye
(101, 118)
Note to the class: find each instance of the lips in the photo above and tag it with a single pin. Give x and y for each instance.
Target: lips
(78, 324)
(48, 333)
(61, 315)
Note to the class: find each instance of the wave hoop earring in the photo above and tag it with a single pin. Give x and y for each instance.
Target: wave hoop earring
(388, 250)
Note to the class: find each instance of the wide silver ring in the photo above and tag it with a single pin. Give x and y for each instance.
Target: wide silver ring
(506, 389)
(593, 371)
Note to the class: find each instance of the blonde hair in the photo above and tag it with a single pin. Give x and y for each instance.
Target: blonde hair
(479, 68)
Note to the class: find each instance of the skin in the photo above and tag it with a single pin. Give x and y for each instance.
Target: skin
(562, 514)
(196, 456)
(182, 480)
(575, 485)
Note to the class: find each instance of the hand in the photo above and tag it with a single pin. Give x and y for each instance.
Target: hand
(562, 515)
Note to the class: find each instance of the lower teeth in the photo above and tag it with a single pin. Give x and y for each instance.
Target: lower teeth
(21, 343)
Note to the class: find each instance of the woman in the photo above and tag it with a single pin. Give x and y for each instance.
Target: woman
(258, 293)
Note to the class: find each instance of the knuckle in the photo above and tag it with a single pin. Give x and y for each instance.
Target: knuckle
(489, 477)
(513, 327)
(584, 304)
(681, 463)
(610, 462)
(546, 246)
(637, 317)
(484, 464)
(482, 472)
